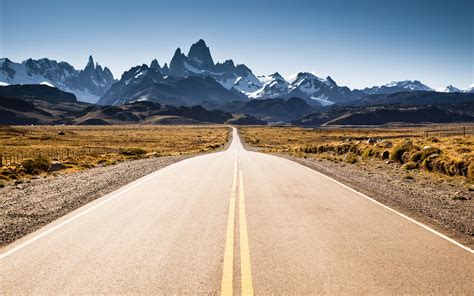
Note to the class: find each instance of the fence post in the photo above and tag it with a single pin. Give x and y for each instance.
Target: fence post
(1, 160)
(464, 131)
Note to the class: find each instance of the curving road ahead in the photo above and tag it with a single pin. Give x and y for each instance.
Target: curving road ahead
(235, 222)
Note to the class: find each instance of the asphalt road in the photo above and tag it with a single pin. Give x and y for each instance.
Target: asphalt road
(235, 222)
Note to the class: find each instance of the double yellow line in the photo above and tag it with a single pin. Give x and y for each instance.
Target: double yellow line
(245, 269)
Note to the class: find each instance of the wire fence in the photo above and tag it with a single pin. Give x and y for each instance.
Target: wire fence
(10, 156)
(17, 156)
(454, 131)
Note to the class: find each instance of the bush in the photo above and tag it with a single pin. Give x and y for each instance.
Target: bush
(310, 150)
(410, 166)
(405, 157)
(35, 166)
(450, 167)
(2, 184)
(369, 152)
(350, 158)
(397, 151)
(428, 151)
(427, 164)
(132, 152)
(470, 170)
(416, 157)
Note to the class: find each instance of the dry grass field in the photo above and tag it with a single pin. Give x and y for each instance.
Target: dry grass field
(29, 150)
(447, 150)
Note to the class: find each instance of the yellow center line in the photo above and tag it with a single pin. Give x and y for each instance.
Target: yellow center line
(228, 269)
(246, 272)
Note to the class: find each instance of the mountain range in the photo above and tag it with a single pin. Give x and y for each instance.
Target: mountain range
(192, 79)
(44, 105)
(88, 84)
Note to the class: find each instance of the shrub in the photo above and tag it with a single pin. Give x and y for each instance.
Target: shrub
(427, 164)
(369, 152)
(310, 149)
(343, 149)
(405, 157)
(397, 151)
(132, 151)
(470, 170)
(350, 158)
(428, 151)
(35, 166)
(2, 184)
(416, 157)
(410, 166)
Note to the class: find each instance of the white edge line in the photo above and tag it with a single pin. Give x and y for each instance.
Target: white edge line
(56, 227)
(388, 208)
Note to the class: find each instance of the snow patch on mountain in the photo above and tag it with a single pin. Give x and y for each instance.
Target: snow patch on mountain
(323, 101)
(47, 84)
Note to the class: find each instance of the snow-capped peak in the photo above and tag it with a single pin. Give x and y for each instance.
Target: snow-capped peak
(398, 86)
(448, 89)
(409, 85)
(88, 84)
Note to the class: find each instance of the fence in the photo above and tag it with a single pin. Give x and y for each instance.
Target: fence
(454, 131)
(16, 157)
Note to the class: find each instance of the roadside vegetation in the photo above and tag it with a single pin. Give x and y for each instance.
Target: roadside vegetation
(32, 151)
(444, 154)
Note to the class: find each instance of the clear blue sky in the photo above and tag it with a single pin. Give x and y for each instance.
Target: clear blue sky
(358, 43)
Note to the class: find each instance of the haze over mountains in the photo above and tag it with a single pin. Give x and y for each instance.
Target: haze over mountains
(189, 79)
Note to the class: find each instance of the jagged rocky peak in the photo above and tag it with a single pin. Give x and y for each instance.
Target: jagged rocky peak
(331, 81)
(165, 70)
(177, 67)
(90, 62)
(200, 55)
(108, 72)
(277, 76)
(90, 65)
(154, 64)
(226, 66)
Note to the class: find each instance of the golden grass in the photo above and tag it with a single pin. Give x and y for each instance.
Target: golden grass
(455, 155)
(87, 146)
